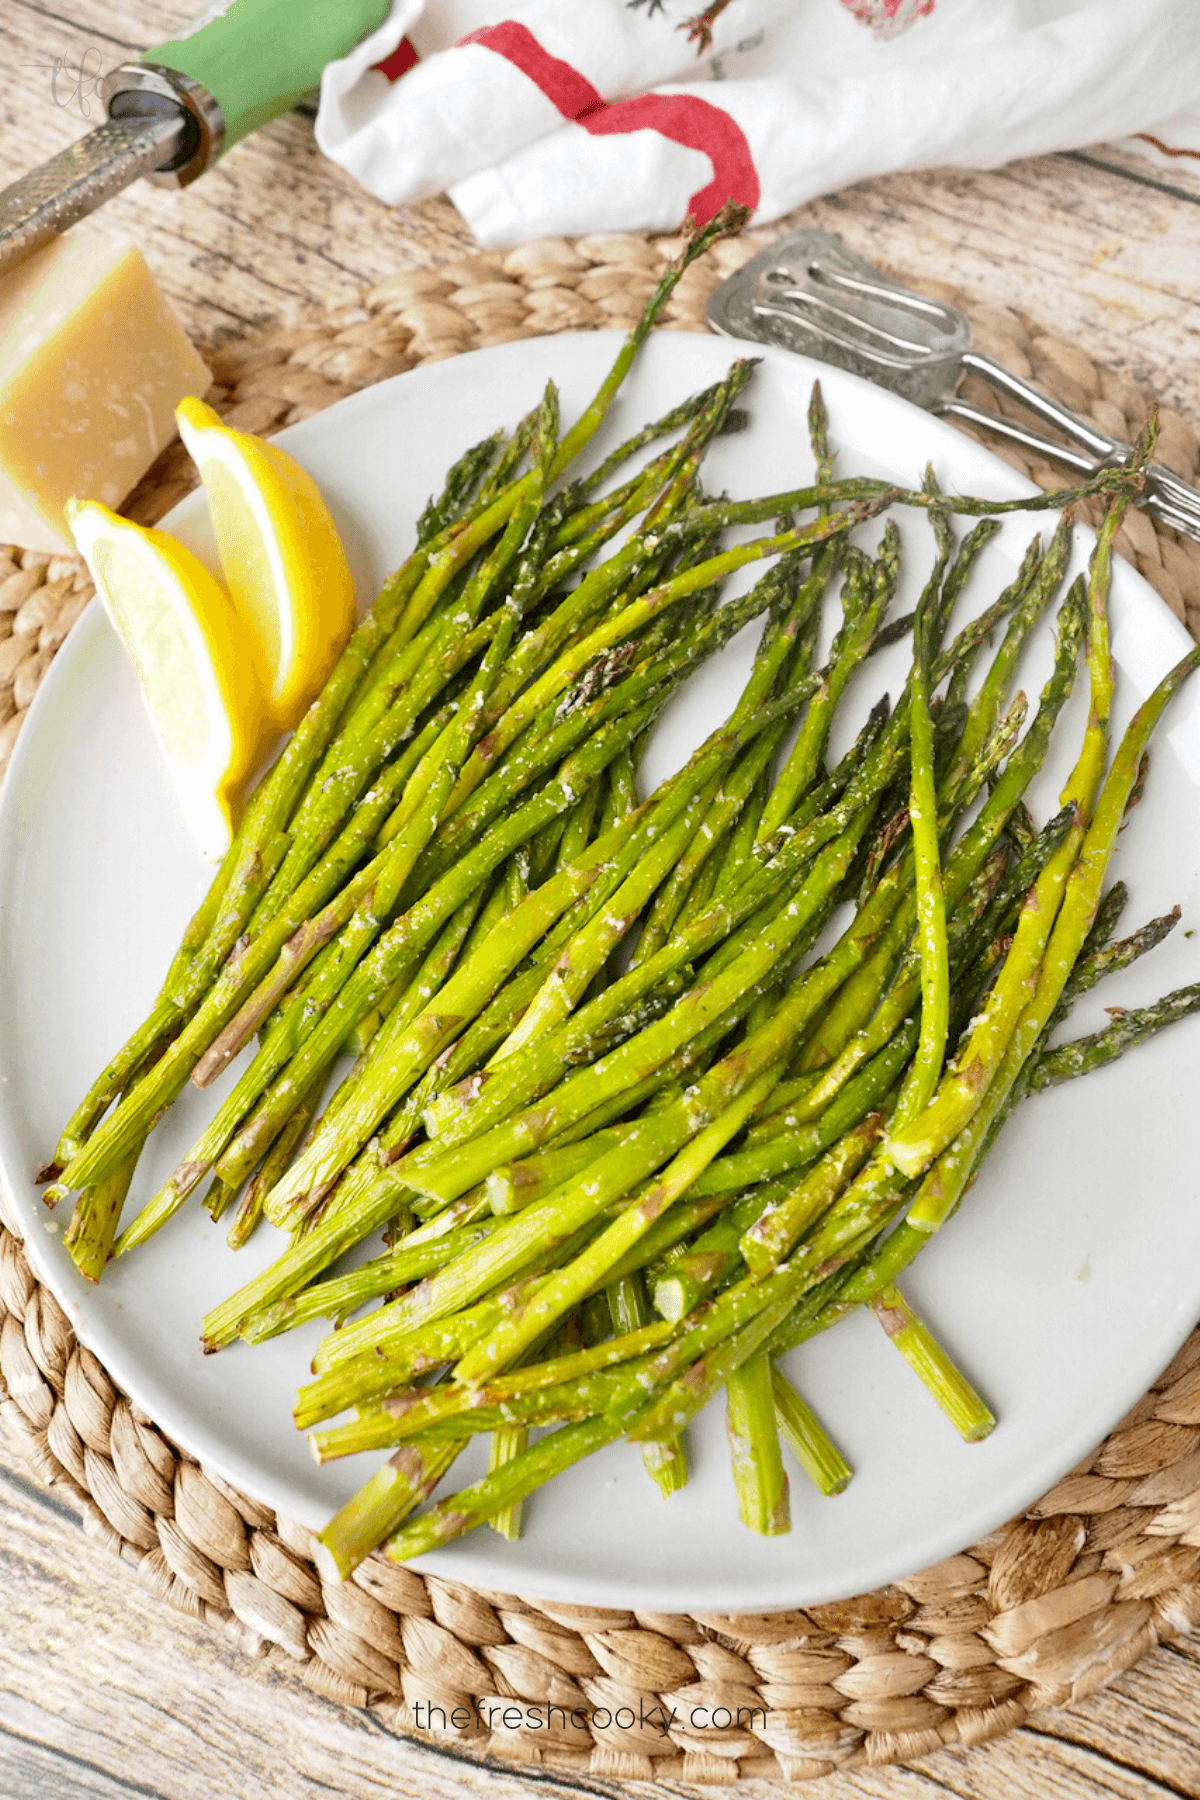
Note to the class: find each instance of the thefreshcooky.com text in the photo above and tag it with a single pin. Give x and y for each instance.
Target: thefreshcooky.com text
(508, 1715)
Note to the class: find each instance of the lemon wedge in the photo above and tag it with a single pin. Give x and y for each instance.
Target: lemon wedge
(188, 648)
(281, 555)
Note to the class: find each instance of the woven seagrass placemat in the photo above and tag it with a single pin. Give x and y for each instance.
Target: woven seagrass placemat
(1041, 1613)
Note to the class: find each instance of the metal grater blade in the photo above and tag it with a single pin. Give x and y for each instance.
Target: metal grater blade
(82, 177)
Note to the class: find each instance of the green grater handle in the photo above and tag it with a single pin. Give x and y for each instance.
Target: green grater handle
(257, 58)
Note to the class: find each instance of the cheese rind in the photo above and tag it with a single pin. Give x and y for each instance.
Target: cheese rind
(93, 363)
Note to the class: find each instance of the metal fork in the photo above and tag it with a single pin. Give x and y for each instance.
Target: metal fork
(809, 292)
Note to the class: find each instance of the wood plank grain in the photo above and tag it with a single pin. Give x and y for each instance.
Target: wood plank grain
(1082, 251)
(106, 1694)
(105, 1691)
(1179, 175)
(275, 226)
(132, 25)
(1147, 1721)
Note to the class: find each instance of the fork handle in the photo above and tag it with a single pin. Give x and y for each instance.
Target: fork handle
(1167, 499)
(996, 423)
(1170, 500)
(1101, 447)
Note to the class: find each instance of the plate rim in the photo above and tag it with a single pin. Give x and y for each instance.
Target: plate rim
(592, 1589)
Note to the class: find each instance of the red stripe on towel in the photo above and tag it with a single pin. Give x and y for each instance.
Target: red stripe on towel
(401, 60)
(563, 86)
(683, 118)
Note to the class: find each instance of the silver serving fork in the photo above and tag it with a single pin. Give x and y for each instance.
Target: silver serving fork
(810, 293)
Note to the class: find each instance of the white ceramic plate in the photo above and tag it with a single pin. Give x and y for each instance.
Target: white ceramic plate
(1063, 1286)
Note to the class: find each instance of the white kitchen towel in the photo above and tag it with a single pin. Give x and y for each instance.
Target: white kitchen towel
(570, 116)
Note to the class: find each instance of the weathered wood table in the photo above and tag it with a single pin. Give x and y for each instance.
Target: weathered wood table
(103, 1691)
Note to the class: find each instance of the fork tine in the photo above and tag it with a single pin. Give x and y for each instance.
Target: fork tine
(891, 294)
(868, 327)
(1182, 519)
(840, 308)
(1172, 488)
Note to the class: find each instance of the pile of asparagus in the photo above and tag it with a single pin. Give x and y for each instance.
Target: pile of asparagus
(628, 1135)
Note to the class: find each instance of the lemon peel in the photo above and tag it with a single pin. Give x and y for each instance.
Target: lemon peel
(281, 555)
(187, 646)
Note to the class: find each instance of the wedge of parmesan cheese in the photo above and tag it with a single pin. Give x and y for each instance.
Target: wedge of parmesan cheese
(93, 363)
